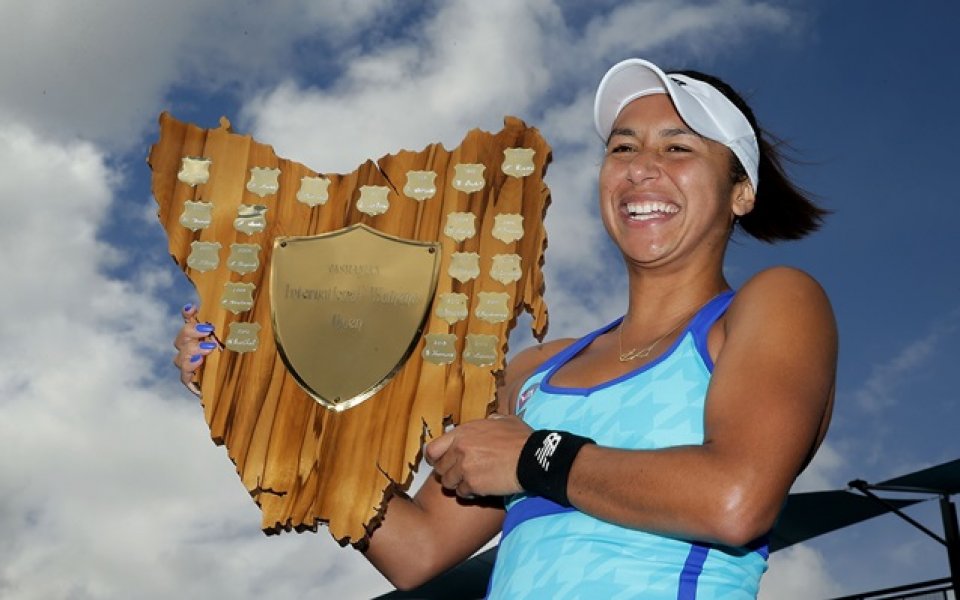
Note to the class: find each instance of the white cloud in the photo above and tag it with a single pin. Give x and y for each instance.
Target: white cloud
(824, 472)
(466, 66)
(696, 27)
(798, 573)
(87, 69)
(879, 391)
(63, 193)
(100, 70)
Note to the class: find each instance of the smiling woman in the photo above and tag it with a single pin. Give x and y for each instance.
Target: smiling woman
(662, 184)
(648, 458)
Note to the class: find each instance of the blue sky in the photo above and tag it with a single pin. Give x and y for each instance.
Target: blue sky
(111, 486)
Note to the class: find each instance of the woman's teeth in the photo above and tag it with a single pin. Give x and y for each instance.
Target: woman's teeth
(650, 210)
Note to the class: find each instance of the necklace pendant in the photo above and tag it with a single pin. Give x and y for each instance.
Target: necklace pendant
(635, 354)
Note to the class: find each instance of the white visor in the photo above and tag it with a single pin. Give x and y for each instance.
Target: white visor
(701, 106)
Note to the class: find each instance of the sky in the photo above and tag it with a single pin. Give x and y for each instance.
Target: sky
(109, 484)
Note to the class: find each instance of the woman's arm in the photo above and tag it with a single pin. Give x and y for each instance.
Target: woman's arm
(423, 536)
(766, 411)
(767, 408)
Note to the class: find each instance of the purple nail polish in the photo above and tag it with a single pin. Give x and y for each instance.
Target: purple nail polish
(188, 307)
(205, 328)
(207, 345)
(195, 358)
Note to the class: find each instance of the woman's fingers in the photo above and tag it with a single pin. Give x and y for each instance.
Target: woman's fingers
(194, 342)
(186, 378)
(189, 312)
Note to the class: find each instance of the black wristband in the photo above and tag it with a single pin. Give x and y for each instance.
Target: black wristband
(545, 461)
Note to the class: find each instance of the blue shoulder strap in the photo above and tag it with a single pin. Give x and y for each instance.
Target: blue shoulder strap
(704, 319)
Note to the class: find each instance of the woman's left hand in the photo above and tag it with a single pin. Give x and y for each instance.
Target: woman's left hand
(479, 458)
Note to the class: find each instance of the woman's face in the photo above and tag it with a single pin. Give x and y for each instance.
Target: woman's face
(665, 191)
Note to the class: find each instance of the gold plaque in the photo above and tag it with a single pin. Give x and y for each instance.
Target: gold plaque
(251, 219)
(420, 185)
(196, 215)
(492, 306)
(440, 348)
(313, 191)
(508, 228)
(348, 309)
(468, 178)
(518, 162)
(347, 343)
(452, 307)
(243, 337)
(506, 268)
(373, 199)
(460, 226)
(263, 181)
(464, 266)
(244, 258)
(481, 350)
(204, 256)
(237, 297)
(194, 170)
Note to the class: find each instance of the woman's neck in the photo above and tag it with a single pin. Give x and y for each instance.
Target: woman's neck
(658, 298)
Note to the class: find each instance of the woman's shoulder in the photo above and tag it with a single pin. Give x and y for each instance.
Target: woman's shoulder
(782, 293)
(780, 280)
(528, 360)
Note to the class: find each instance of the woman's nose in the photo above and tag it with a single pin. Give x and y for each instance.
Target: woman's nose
(645, 164)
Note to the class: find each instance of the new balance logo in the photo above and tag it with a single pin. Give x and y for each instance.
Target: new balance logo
(526, 395)
(545, 451)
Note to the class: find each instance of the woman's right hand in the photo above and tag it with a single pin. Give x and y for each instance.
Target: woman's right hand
(193, 343)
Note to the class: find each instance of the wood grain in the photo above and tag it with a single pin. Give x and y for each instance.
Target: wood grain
(304, 464)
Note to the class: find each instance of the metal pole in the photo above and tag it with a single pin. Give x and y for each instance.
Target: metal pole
(952, 535)
(864, 488)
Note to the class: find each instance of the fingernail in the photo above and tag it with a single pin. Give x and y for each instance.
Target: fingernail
(195, 358)
(208, 345)
(205, 328)
(188, 307)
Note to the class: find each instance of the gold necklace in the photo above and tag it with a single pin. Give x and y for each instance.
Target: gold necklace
(635, 353)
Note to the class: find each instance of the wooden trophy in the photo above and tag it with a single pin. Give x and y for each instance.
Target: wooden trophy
(357, 314)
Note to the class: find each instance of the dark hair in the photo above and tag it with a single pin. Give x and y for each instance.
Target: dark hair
(781, 211)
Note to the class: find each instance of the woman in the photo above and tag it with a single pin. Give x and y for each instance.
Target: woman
(649, 458)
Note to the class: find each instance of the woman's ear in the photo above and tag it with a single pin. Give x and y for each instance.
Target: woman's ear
(744, 197)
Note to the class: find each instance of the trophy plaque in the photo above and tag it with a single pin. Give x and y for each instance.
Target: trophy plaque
(357, 314)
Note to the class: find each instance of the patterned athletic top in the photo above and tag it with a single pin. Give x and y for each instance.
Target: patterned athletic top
(548, 551)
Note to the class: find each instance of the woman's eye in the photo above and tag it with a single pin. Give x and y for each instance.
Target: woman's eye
(620, 148)
(677, 148)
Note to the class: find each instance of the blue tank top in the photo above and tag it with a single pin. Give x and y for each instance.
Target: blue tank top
(550, 551)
